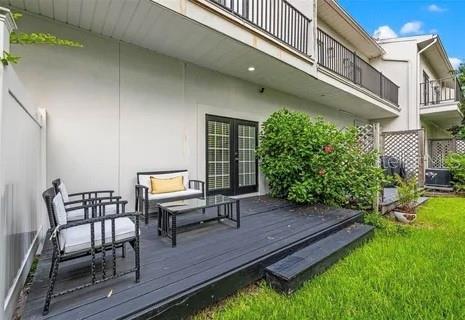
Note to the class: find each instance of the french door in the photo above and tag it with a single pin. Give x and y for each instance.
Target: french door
(232, 165)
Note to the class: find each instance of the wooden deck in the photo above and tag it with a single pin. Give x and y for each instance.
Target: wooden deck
(208, 264)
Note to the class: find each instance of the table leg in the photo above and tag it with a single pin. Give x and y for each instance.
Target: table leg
(173, 229)
(238, 214)
(159, 221)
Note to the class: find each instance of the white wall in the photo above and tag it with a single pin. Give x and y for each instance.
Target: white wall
(115, 109)
(399, 64)
(22, 219)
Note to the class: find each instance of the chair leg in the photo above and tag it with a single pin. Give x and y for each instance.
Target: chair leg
(135, 246)
(146, 211)
(51, 285)
(52, 265)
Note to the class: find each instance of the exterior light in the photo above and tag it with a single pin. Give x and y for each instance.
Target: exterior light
(251, 69)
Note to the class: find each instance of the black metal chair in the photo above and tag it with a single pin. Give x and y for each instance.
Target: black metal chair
(59, 186)
(96, 233)
(84, 198)
(194, 189)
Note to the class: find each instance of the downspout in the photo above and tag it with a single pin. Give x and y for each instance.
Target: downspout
(417, 106)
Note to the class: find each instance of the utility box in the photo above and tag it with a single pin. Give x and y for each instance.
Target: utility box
(440, 178)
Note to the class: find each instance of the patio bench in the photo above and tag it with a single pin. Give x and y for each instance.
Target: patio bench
(146, 200)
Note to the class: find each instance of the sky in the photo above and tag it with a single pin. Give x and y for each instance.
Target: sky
(391, 18)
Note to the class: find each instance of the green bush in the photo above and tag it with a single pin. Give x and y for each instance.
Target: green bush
(456, 164)
(408, 193)
(311, 161)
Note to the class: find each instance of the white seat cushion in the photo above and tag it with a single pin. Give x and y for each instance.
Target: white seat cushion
(144, 179)
(170, 195)
(78, 238)
(75, 215)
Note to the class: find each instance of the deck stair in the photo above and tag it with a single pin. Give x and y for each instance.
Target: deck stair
(291, 272)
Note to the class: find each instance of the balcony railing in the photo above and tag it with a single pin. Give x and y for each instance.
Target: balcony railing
(277, 18)
(440, 91)
(346, 63)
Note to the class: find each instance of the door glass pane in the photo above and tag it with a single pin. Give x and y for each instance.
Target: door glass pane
(219, 168)
(247, 158)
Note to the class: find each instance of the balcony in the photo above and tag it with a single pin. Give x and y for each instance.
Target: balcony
(277, 18)
(436, 92)
(439, 101)
(336, 57)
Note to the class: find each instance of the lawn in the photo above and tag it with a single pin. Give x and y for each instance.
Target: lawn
(415, 272)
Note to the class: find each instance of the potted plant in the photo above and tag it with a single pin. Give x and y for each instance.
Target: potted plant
(408, 195)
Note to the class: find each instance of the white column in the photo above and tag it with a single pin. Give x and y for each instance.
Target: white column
(7, 24)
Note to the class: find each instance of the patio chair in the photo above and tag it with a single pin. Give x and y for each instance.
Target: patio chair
(144, 196)
(83, 198)
(97, 233)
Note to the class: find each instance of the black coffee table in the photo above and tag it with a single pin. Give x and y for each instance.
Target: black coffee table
(227, 208)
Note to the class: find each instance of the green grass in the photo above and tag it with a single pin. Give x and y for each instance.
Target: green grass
(415, 272)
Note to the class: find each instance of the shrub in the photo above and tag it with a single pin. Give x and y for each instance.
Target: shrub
(456, 164)
(311, 161)
(408, 193)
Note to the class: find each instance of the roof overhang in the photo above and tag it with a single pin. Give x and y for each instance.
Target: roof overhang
(436, 55)
(341, 22)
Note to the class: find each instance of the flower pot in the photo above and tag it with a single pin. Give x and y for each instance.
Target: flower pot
(405, 217)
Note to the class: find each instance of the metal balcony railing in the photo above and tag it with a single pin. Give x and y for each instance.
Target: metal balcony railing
(336, 57)
(440, 91)
(277, 18)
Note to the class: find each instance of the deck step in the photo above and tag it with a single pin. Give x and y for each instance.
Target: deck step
(288, 274)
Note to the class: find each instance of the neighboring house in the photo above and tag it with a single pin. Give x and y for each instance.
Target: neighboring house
(172, 84)
(429, 93)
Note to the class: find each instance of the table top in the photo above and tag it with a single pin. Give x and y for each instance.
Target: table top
(180, 206)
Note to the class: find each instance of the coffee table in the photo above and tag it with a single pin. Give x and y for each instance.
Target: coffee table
(227, 208)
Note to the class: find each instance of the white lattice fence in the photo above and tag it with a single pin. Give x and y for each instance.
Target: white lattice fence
(408, 148)
(368, 137)
(439, 149)
(460, 146)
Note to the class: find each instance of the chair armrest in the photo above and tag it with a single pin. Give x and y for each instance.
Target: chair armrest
(99, 207)
(197, 185)
(84, 201)
(135, 215)
(141, 186)
(91, 194)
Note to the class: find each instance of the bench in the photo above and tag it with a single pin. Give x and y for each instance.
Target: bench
(147, 203)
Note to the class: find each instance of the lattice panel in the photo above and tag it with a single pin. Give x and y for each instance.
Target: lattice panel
(366, 137)
(460, 146)
(439, 151)
(406, 146)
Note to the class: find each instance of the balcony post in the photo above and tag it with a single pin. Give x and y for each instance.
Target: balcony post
(381, 94)
(355, 67)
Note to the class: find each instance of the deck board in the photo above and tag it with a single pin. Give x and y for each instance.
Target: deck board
(202, 257)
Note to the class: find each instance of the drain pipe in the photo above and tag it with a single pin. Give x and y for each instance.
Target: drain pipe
(418, 78)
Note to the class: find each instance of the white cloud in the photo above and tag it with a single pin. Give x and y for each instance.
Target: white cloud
(384, 32)
(435, 8)
(455, 62)
(412, 27)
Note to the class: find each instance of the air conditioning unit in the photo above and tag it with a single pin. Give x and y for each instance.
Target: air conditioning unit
(440, 178)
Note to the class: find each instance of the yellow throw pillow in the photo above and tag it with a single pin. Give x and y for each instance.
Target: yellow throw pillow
(166, 185)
